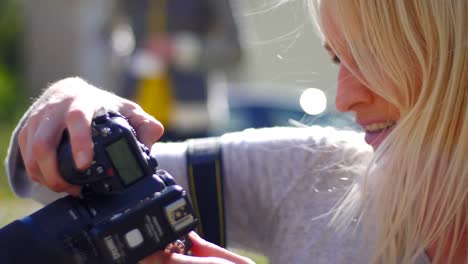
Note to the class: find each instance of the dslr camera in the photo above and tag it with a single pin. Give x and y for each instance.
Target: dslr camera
(127, 209)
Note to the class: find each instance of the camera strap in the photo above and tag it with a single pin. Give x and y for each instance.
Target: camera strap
(205, 178)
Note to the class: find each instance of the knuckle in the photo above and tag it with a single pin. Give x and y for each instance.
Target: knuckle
(56, 185)
(40, 147)
(29, 164)
(44, 110)
(35, 177)
(31, 167)
(69, 82)
(134, 109)
(132, 106)
(73, 116)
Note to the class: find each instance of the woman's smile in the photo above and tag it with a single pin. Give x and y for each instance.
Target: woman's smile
(376, 132)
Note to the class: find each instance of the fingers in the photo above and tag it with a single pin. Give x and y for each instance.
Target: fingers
(39, 139)
(57, 109)
(168, 258)
(78, 122)
(149, 129)
(42, 149)
(204, 253)
(70, 104)
(30, 164)
(204, 248)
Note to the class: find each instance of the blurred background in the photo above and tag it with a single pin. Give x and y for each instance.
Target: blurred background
(201, 67)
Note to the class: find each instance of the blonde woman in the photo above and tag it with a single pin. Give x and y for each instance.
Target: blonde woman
(402, 72)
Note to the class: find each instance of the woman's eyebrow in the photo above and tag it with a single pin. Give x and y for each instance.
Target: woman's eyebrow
(327, 46)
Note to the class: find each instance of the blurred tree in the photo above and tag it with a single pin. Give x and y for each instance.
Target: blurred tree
(12, 99)
(11, 95)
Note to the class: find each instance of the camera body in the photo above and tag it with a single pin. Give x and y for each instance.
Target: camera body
(127, 209)
(119, 158)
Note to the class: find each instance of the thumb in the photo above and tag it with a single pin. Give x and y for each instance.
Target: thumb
(203, 248)
(203, 253)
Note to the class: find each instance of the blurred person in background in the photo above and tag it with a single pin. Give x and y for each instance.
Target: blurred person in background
(180, 45)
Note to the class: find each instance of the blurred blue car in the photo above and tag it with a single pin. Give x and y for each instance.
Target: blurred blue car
(251, 111)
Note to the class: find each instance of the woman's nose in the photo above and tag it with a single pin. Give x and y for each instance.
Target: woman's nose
(351, 92)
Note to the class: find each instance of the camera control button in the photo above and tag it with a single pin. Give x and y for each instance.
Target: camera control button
(134, 238)
(99, 170)
(144, 148)
(105, 131)
(101, 117)
(166, 177)
(133, 131)
(108, 187)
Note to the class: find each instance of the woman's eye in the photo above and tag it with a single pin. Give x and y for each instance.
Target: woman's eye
(336, 59)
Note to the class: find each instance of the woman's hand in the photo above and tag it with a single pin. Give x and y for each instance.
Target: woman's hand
(203, 251)
(71, 104)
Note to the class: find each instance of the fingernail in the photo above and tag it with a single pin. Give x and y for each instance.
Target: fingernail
(81, 160)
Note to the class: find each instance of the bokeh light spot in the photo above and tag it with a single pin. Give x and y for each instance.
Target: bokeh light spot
(313, 101)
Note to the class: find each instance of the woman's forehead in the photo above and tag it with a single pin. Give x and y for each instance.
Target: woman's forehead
(338, 28)
(331, 36)
(329, 26)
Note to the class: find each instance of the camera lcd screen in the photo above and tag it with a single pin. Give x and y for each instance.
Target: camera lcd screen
(124, 161)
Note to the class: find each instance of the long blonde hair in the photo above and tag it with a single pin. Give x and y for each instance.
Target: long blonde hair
(413, 53)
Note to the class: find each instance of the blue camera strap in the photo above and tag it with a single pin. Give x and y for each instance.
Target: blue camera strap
(205, 178)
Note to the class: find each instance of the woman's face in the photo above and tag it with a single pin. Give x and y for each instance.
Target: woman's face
(373, 113)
